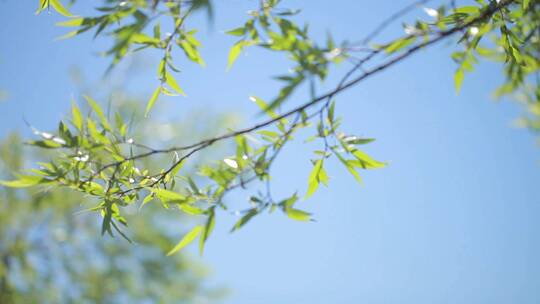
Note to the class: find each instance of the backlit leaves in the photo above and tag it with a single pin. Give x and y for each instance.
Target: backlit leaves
(95, 155)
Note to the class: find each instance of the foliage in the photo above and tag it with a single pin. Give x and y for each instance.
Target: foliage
(96, 156)
(49, 253)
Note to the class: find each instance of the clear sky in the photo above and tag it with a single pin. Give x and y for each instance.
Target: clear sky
(452, 219)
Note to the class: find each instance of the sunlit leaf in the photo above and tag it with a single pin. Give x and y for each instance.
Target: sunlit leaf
(458, 79)
(298, 215)
(173, 84)
(99, 112)
(313, 181)
(239, 31)
(367, 162)
(234, 53)
(399, 44)
(167, 195)
(23, 181)
(190, 209)
(152, 101)
(59, 7)
(186, 240)
(77, 117)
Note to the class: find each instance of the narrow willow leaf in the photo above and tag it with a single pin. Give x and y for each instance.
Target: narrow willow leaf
(289, 202)
(349, 167)
(173, 84)
(75, 22)
(298, 215)
(458, 79)
(23, 181)
(313, 181)
(323, 177)
(59, 7)
(186, 240)
(68, 35)
(99, 112)
(399, 44)
(244, 219)
(146, 200)
(193, 186)
(143, 39)
(47, 144)
(177, 167)
(469, 9)
(157, 31)
(121, 232)
(190, 209)
(191, 51)
(239, 31)
(152, 101)
(208, 228)
(107, 218)
(92, 188)
(366, 161)
(234, 53)
(43, 4)
(264, 106)
(77, 117)
(331, 111)
(168, 196)
(95, 134)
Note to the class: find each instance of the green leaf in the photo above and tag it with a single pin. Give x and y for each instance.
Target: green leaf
(72, 22)
(107, 219)
(99, 112)
(23, 181)
(95, 134)
(147, 199)
(77, 117)
(350, 167)
(298, 215)
(458, 79)
(239, 31)
(399, 44)
(92, 188)
(168, 196)
(190, 209)
(152, 101)
(143, 39)
(208, 228)
(186, 240)
(47, 144)
(43, 4)
(264, 106)
(313, 181)
(244, 219)
(365, 161)
(173, 84)
(157, 31)
(59, 7)
(235, 52)
(468, 9)
(191, 52)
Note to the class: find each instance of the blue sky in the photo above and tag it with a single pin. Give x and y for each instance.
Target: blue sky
(452, 219)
